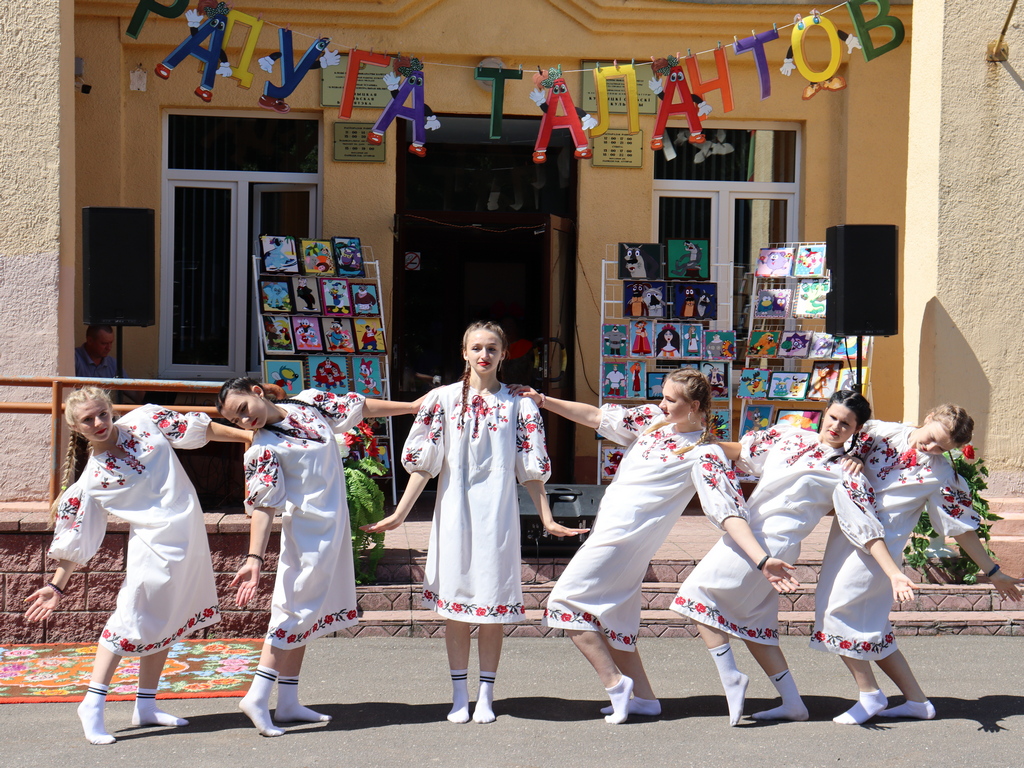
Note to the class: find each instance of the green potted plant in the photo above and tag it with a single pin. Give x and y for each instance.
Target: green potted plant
(359, 451)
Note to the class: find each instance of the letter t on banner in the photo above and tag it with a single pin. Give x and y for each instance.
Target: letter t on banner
(881, 19)
(497, 78)
(601, 77)
(721, 83)
(356, 59)
(756, 44)
(145, 7)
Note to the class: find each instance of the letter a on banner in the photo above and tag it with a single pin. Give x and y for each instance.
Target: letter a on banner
(722, 83)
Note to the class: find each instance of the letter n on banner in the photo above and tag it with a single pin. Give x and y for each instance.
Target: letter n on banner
(721, 83)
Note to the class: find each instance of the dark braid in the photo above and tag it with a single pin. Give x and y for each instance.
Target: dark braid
(245, 384)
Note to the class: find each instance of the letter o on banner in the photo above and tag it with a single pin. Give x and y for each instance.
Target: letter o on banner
(835, 55)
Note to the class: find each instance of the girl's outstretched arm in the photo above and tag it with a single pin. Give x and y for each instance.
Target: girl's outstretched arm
(778, 572)
(45, 599)
(248, 577)
(373, 407)
(1004, 583)
(582, 413)
(220, 433)
(902, 587)
(540, 500)
(417, 482)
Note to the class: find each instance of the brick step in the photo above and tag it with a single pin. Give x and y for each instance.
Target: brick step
(930, 598)
(664, 623)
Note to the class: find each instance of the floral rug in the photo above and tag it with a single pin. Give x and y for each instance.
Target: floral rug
(60, 671)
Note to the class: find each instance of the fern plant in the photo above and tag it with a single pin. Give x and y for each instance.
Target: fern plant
(961, 568)
(365, 499)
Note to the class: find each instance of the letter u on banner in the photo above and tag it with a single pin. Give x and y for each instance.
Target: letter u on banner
(601, 77)
(835, 55)
(721, 83)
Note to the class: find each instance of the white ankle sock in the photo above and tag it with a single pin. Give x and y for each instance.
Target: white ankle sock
(90, 712)
(460, 697)
(638, 706)
(792, 707)
(147, 713)
(734, 681)
(256, 703)
(484, 712)
(922, 710)
(288, 708)
(619, 694)
(870, 704)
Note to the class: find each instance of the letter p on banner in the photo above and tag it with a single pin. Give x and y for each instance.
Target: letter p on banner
(863, 27)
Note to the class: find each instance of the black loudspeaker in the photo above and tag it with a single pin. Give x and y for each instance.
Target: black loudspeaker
(118, 266)
(862, 298)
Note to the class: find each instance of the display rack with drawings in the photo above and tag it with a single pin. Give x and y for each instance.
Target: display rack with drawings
(792, 365)
(322, 323)
(656, 316)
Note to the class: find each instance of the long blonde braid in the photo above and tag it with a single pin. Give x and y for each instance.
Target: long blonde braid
(78, 446)
(696, 388)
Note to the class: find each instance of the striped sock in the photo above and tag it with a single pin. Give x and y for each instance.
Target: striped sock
(90, 712)
(288, 708)
(256, 703)
(484, 712)
(147, 713)
(460, 697)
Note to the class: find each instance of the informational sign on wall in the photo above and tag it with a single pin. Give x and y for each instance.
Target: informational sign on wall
(618, 148)
(351, 146)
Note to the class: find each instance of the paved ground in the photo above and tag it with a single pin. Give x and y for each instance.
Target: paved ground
(388, 699)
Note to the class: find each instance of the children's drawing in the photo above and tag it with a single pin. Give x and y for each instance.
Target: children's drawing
(801, 419)
(719, 345)
(655, 382)
(692, 335)
(317, 258)
(645, 299)
(824, 380)
(756, 417)
(718, 376)
(277, 335)
(753, 383)
(788, 385)
(613, 383)
(822, 345)
(688, 260)
(774, 262)
(810, 298)
(336, 297)
(367, 376)
(306, 331)
(763, 344)
(772, 303)
(289, 375)
(307, 295)
(610, 460)
(636, 383)
(641, 261)
(721, 424)
(616, 340)
(696, 301)
(348, 257)
(809, 261)
(278, 255)
(639, 340)
(276, 294)
(795, 343)
(329, 373)
(848, 379)
(364, 299)
(369, 336)
(337, 335)
(667, 341)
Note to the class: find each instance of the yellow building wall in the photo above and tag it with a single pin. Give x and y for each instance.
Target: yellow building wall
(854, 142)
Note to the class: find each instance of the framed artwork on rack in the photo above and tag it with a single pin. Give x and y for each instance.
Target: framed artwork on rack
(348, 257)
(278, 255)
(336, 296)
(667, 340)
(615, 340)
(289, 375)
(384, 457)
(696, 301)
(753, 383)
(317, 258)
(718, 375)
(636, 381)
(795, 343)
(306, 331)
(688, 259)
(277, 335)
(692, 336)
(800, 419)
(639, 339)
(307, 295)
(774, 262)
(645, 299)
(369, 336)
(822, 345)
(641, 261)
(763, 344)
(809, 261)
(810, 298)
(719, 345)
(329, 373)
(756, 417)
(276, 295)
(655, 382)
(613, 381)
(365, 302)
(368, 376)
(721, 426)
(611, 457)
(848, 378)
(772, 303)
(337, 335)
(788, 385)
(824, 379)
(846, 347)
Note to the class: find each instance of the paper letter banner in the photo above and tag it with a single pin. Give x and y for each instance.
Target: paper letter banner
(498, 78)
(416, 114)
(674, 86)
(356, 59)
(835, 55)
(601, 77)
(881, 19)
(292, 73)
(756, 44)
(721, 83)
(241, 70)
(557, 97)
(212, 28)
(145, 7)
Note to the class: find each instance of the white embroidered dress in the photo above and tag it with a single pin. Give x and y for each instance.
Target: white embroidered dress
(474, 571)
(854, 596)
(169, 590)
(600, 589)
(294, 467)
(801, 481)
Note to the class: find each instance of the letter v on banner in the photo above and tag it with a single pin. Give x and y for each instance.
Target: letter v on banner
(721, 83)
(881, 19)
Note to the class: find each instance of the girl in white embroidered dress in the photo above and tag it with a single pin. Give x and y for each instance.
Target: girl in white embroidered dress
(169, 591)
(480, 440)
(597, 599)
(909, 473)
(294, 467)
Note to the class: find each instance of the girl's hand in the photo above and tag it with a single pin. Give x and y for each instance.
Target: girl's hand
(521, 390)
(902, 587)
(247, 580)
(389, 523)
(415, 405)
(851, 465)
(1006, 585)
(44, 601)
(780, 575)
(561, 531)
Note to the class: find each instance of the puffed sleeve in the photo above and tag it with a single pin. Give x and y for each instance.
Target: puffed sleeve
(532, 460)
(754, 447)
(717, 486)
(949, 506)
(854, 502)
(79, 528)
(424, 447)
(624, 425)
(264, 481)
(184, 431)
(343, 412)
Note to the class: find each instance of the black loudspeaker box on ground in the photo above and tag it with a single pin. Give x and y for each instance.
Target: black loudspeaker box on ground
(862, 298)
(118, 266)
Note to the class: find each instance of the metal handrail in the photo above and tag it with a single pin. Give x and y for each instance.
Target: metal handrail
(57, 385)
